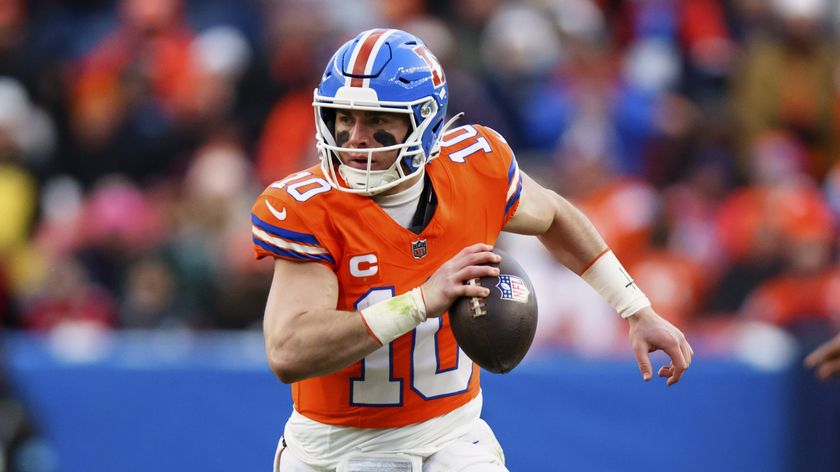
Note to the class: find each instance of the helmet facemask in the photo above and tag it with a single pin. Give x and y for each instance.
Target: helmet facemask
(411, 157)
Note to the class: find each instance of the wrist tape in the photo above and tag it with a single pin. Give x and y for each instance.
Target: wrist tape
(390, 319)
(608, 277)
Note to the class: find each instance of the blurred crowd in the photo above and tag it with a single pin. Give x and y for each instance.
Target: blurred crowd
(700, 136)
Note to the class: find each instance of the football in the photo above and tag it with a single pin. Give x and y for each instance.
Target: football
(496, 332)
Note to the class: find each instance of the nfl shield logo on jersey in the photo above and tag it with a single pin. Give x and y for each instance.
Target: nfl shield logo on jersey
(418, 249)
(513, 288)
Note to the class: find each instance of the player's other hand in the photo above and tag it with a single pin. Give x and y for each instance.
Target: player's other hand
(650, 332)
(826, 359)
(447, 283)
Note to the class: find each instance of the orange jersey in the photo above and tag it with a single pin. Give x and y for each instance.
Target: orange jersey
(422, 374)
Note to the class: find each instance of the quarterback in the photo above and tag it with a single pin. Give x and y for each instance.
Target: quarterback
(373, 245)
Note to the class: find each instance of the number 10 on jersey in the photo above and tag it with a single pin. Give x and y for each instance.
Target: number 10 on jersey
(377, 385)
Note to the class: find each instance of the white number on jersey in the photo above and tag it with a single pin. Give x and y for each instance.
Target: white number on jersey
(429, 381)
(377, 385)
(294, 189)
(465, 133)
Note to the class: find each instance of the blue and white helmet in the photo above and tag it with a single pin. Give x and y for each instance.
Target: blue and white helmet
(383, 70)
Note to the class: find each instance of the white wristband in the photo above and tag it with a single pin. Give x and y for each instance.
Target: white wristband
(390, 319)
(607, 276)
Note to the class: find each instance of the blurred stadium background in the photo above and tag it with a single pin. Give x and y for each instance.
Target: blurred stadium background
(701, 136)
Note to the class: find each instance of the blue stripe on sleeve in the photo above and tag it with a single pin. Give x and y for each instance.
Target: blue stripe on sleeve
(284, 233)
(515, 196)
(511, 170)
(292, 254)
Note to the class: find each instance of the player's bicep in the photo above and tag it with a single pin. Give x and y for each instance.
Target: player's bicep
(536, 209)
(298, 288)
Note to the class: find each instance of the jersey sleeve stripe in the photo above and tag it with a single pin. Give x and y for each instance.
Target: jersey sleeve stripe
(512, 170)
(515, 198)
(283, 244)
(292, 254)
(284, 233)
(514, 179)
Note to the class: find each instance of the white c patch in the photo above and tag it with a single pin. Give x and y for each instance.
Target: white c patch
(364, 265)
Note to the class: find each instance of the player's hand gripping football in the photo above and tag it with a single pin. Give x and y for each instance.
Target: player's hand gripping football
(447, 283)
(650, 332)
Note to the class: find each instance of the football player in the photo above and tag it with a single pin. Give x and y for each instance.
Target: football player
(373, 245)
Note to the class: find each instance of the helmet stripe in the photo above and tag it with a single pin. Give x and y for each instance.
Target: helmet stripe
(374, 53)
(362, 54)
(351, 63)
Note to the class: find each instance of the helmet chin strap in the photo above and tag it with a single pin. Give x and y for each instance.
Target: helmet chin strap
(361, 179)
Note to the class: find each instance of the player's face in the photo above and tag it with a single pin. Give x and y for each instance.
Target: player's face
(368, 129)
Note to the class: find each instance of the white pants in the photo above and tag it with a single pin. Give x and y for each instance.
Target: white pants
(476, 451)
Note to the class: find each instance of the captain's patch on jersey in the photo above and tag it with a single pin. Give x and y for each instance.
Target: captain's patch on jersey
(513, 288)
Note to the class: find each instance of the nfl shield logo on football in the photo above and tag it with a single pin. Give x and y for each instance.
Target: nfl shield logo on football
(418, 249)
(513, 288)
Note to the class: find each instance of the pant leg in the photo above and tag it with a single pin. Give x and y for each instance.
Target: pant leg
(476, 451)
(285, 461)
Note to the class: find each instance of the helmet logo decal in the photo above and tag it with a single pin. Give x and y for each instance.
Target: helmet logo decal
(434, 66)
(364, 56)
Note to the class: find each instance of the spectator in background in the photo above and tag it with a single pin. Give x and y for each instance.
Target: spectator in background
(805, 292)
(206, 246)
(129, 92)
(471, 18)
(14, 60)
(69, 298)
(218, 58)
(754, 221)
(520, 52)
(150, 297)
(25, 140)
(25, 55)
(708, 50)
(121, 224)
(152, 42)
(789, 207)
(295, 31)
(17, 184)
(788, 81)
(689, 209)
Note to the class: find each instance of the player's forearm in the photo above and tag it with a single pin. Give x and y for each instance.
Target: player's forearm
(316, 342)
(563, 229)
(574, 241)
(571, 238)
